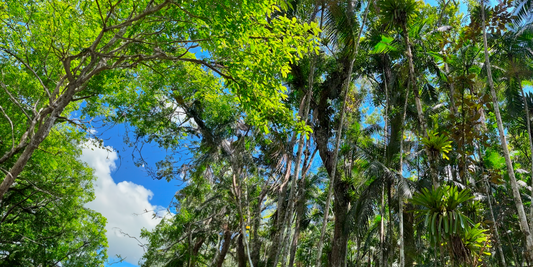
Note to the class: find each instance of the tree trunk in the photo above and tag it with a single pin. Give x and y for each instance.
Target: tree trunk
(49, 115)
(337, 257)
(256, 247)
(300, 207)
(198, 244)
(409, 235)
(524, 226)
(496, 233)
(339, 239)
(280, 224)
(241, 254)
(419, 110)
(289, 211)
(400, 191)
(225, 247)
(382, 229)
(451, 85)
(528, 118)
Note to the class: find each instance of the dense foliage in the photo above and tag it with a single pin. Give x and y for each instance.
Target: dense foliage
(336, 133)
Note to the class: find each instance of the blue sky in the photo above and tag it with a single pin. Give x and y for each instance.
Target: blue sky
(127, 171)
(125, 194)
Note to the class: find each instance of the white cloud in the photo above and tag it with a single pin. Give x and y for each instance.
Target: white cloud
(126, 205)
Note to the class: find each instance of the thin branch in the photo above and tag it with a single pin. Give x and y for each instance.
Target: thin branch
(14, 100)
(12, 128)
(83, 97)
(101, 16)
(30, 69)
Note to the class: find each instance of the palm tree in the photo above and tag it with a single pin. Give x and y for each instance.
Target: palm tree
(515, 53)
(399, 13)
(448, 225)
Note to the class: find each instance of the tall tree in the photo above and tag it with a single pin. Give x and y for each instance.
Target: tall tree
(524, 226)
(343, 16)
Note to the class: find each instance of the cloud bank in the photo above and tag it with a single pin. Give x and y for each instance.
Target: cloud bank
(126, 205)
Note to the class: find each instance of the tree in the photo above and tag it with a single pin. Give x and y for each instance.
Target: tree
(446, 223)
(524, 226)
(43, 219)
(66, 65)
(391, 95)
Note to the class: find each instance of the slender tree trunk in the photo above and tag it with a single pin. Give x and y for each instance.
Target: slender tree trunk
(385, 141)
(419, 110)
(516, 260)
(528, 118)
(524, 226)
(284, 209)
(400, 185)
(294, 245)
(301, 189)
(289, 211)
(300, 210)
(496, 233)
(382, 229)
(339, 244)
(489, 198)
(256, 247)
(243, 241)
(451, 85)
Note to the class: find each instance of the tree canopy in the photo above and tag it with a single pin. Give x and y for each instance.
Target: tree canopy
(321, 133)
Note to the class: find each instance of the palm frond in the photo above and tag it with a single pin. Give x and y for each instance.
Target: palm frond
(523, 12)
